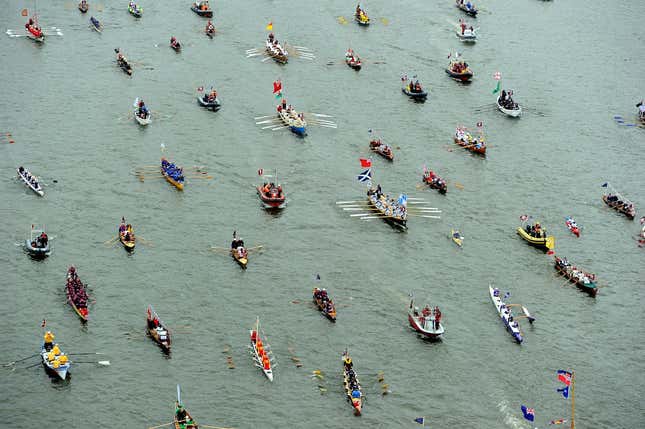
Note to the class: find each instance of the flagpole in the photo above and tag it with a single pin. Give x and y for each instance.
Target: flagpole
(573, 400)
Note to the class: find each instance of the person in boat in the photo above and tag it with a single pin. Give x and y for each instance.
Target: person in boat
(180, 413)
(173, 41)
(212, 96)
(271, 37)
(347, 362)
(42, 240)
(48, 340)
(359, 11)
(210, 28)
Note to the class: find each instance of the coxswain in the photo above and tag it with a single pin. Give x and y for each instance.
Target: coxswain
(348, 363)
(284, 104)
(463, 26)
(49, 340)
(210, 28)
(180, 413)
(43, 239)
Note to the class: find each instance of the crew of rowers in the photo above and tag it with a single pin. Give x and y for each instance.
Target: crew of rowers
(83, 4)
(351, 57)
(55, 357)
(238, 245)
(352, 382)
(126, 231)
(289, 109)
(262, 353)
(468, 5)
(210, 28)
(458, 66)
(614, 201)
(574, 273)
(41, 241)
(326, 303)
(203, 6)
(360, 13)
(386, 205)
(274, 47)
(381, 148)
(76, 291)
(506, 100)
(272, 190)
(142, 110)
(431, 178)
(464, 136)
(33, 26)
(535, 231)
(28, 177)
(174, 43)
(506, 312)
(120, 58)
(210, 97)
(176, 173)
(184, 420)
(429, 316)
(134, 7)
(465, 29)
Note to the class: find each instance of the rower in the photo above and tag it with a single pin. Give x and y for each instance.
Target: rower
(180, 413)
(49, 339)
(348, 363)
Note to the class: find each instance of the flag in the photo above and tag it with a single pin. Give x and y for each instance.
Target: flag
(277, 88)
(564, 376)
(365, 176)
(369, 131)
(403, 200)
(365, 163)
(498, 87)
(420, 420)
(497, 76)
(557, 422)
(42, 325)
(529, 413)
(524, 217)
(270, 26)
(604, 185)
(564, 391)
(507, 295)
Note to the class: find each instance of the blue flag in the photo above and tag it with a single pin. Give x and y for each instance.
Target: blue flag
(420, 420)
(604, 185)
(564, 391)
(365, 176)
(529, 413)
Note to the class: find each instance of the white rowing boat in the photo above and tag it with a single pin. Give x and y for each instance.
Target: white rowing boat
(30, 181)
(514, 113)
(56, 366)
(505, 313)
(261, 351)
(142, 121)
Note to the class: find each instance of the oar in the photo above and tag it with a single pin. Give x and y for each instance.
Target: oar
(112, 240)
(101, 362)
(160, 426)
(21, 360)
(88, 353)
(213, 427)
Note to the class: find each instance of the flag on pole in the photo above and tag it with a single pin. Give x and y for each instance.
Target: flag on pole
(421, 420)
(529, 413)
(497, 76)
(365, 176)
(557, 422)
(365, 163)
(277, 88)
(498, 87)
(24, 12)
(270, 26)
(42, 325)
(564, 376)
(200, 89)
(480, 124)
(564, 391)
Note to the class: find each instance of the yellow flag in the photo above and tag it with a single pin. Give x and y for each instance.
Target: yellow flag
(270, 26)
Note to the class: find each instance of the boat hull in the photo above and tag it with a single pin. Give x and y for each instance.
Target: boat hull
(321, 306)
(203, 13)
(38, 191)
(37, 252)
(128, 245)
(513, 113)
(431, 335)
(173, 182)
(60, 372)
(240, 260)
(590, 288)
(471, 147)
(416, 96)
(459, 241)
(297, 127)
(271, 203)
(142, 121)
(393, 221)
(461, 77)
(630, 214)
(546, 244)
(466, 38)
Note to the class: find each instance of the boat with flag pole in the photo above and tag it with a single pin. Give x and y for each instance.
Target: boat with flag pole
(54, 360)
(173, 174)
(352, 387)
(157, 330)
(466, 140)
(34, 32)
(37, 245)
(536, 235)
(506, 314)
(458, 69)
(619, 203)
(271, 193)
(261, 351)
(426, 322)
(280, 52)
(325, 304)
(182, 418)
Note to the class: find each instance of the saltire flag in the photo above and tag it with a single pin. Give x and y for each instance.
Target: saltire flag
(557, 422)
(42, 325)
(604, 185)
(365, 176)
(270, 26)
(524, 217)
(403, 200)
(497, 76)
(564, 376)
(420, 420)
(529, 413)
(277, 88)
(564, 391)
(498, 87)
(365, 163)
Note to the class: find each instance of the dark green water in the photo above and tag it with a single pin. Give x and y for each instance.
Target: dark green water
(66, 104)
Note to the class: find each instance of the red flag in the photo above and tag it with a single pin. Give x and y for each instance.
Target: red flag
(42, 325)
(277, 86)
(365, 163)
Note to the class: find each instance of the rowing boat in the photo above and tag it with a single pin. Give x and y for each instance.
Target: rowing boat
(30, 181)
(325, 304)
(135, 10)
(126, 235)
(435, 182)
(276, 51)
(544, 242)
(351, 384)
(572, 225)
(515, 112)
(583, 280)
(261, 351)
(505, 313)
(96, 25)
(382, 149)
(473, 144)
(426, 322)
(361, 17)
(157, 329)
(174, 44)
(352, 60)
(143, 121)
(34, 32)
(173, 174)
(621, 205)
(456, 237)
(241, 256)
(57, 364)
(294, 120)
(78, 299)
(83, 6)
(122, 62)
(197, 8)
(34, 244)
(472, 11)
(394, 215)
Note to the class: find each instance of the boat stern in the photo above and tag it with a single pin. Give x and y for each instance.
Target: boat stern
(298, 130)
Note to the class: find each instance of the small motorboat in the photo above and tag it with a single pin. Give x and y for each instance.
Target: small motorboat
(382, 149)
(157, 329)
(208, 101)
(467, 7)
(54, 360)
(507, 106)
(325, 304)
(173, 174)
(620, 204)
(122, 61)
(83, 6)
(30, 181)
(459, 70)
(456, 237)
(202, 8)
(583, 280)
(414, 89)
(96, 25)
(505, 313)
(426, 322)
(352, 60)
(37, 245)
(272, 196)
(351, 384)
(536, 236)
(261, 351)
(572, 225)
(77, 296)
(126, 235)
(435, 182)
(467, 34)
(135, 10)
(174, 44)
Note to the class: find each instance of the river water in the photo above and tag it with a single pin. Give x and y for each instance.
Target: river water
(66, 104)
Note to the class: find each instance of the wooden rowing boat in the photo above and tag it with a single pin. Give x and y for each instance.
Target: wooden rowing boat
(352, 60)
(126, 236)
(435, 182)
(81, 309)
(361, 18)
(157, 329)
(26, 178)
(187, 421)
(351, 384)
(547, 243)
(325, 304)
(572, 226)
(583, 280)
(276, 51)
(382, 149)
(292, 119)
(456, 237)
(240, 256)
(470, 143)
(386, 211)
(621, 205)
(261, 351)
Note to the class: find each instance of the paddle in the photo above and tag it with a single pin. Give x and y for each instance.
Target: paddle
(20, 360)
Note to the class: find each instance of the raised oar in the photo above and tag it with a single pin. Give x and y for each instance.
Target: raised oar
(264, 117)
(20, 360)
